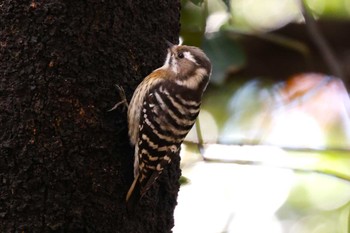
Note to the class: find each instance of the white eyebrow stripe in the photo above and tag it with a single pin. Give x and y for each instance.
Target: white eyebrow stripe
(189, 56)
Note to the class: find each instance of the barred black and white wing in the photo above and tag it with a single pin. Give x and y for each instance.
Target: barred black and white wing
(166, 117)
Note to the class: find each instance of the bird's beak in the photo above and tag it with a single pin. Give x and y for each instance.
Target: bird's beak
(170, 45)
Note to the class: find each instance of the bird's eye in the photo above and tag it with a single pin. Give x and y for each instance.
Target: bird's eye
(180, 55)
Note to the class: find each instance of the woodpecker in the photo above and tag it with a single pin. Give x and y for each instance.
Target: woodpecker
(162, 111)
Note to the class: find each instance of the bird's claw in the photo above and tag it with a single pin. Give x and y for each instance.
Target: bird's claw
(123, 101)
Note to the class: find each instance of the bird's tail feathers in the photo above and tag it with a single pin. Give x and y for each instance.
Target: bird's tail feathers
(133, 196)
(155, 175)
(139, 189)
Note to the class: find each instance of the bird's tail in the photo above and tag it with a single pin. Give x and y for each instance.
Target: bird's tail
(134, 195)
(138, 189)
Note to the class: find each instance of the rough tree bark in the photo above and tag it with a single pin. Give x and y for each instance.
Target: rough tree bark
(66, 162)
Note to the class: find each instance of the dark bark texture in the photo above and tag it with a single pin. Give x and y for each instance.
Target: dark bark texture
(65, 161)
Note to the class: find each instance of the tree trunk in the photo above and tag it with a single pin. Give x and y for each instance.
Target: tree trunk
(65, 162)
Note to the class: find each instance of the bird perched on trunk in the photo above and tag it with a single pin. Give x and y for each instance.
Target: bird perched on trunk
(162, 111)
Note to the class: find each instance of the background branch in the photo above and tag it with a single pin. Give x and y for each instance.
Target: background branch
(317, 37)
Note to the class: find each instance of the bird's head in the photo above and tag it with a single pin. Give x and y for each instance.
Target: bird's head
(189, 64)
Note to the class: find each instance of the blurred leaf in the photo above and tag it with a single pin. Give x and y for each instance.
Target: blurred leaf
(224, 53)
(193, 22)
(228, 4)
(215, 6)
(183, 180)
(197, 2)
(333, 9)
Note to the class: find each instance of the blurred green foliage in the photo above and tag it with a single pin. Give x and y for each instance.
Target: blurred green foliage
(216, 25)
(224, 52)
(246, 110)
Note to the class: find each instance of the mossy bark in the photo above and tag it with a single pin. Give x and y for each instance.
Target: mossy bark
(65, 161)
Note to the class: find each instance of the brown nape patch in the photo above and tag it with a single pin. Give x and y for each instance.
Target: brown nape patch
(186, 68)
